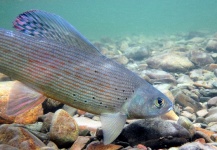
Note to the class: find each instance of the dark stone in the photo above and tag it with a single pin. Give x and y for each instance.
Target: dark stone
(209, 92)
(155, 133)
(51, 105)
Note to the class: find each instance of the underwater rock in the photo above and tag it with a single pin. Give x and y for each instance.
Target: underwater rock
(212, 102)
(200, 58)
(184, 79)
(64, 129)
(159, 76)
(201, 74)
(202, 113)
(47, 118)
(7, 147)
(100, 146)
(154, 133)
(87, 125)
(212, 127)
(70, 110)
(197, 146)
(187, 124)
(184, 100)
(170, 62)
(209, 92)
(19, 138)
(138, 54)
(188, 115)
(212, 45)
(28, 117)
(3, 77)
(51, 105)
(80, 143)
(122, 59)
(212, 115)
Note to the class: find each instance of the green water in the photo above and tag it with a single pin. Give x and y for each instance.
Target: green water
(108, 18)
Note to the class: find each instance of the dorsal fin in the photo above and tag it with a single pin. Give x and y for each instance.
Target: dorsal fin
(52, 27)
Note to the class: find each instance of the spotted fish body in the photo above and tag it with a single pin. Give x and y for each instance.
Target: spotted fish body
(50, 56)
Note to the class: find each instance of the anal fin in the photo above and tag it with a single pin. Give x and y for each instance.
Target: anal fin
(112, 125)
(22, 99)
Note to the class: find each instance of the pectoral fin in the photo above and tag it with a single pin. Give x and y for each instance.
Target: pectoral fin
(112, 125)
(22, 99)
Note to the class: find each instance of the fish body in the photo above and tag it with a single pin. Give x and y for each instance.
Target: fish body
(51, 57)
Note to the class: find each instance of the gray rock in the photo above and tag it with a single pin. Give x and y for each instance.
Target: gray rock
(7, 147)
(209, 92)
(154, 133)
(212, 127)
(211, 118)
(196, 146)
(212, 45)
(170, 62)
(212, 102)
(200, 58)
(183, 99)
(184, 79)
(138, 54)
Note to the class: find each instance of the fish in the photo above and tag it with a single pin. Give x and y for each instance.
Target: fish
(50, 58)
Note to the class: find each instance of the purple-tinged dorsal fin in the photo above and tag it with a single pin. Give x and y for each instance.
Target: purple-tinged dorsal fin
(22, 99)
(52, 27)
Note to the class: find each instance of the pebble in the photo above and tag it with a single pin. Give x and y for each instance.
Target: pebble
(64, 129)
(80, 143)
(202, 113)
(212, 102)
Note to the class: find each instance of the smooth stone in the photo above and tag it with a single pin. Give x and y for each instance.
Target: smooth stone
(154, 133)
(28, 117)
(170, 62)
(138, 54)
(123, 45)
(64, 129)
(184, 100)
(202, 113)
(190, 116)
(197, 146)
(184, 79)
(187, 124)
(47, 118)
(212, 102)
(80, 143)
(70, 110)
(214, 137)
(7, 147)
(213, 66)
(19, 137)
(199, 120)
(212, 111)
(100, 146)
(189, 109)
(87, 125)
(212, 127)
(200, 58)
(122, 59)
(201, 75)
(51, 144)
(212, 45)
(209, 92)
(211, 118)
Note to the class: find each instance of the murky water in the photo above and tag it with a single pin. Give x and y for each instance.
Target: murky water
(96, 18)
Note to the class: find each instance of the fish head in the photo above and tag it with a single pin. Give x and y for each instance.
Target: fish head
(147, 102)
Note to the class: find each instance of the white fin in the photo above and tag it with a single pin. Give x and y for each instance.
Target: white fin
(22, 99)
(112, 125)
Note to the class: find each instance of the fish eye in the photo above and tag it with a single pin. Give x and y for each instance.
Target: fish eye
(159, 102)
